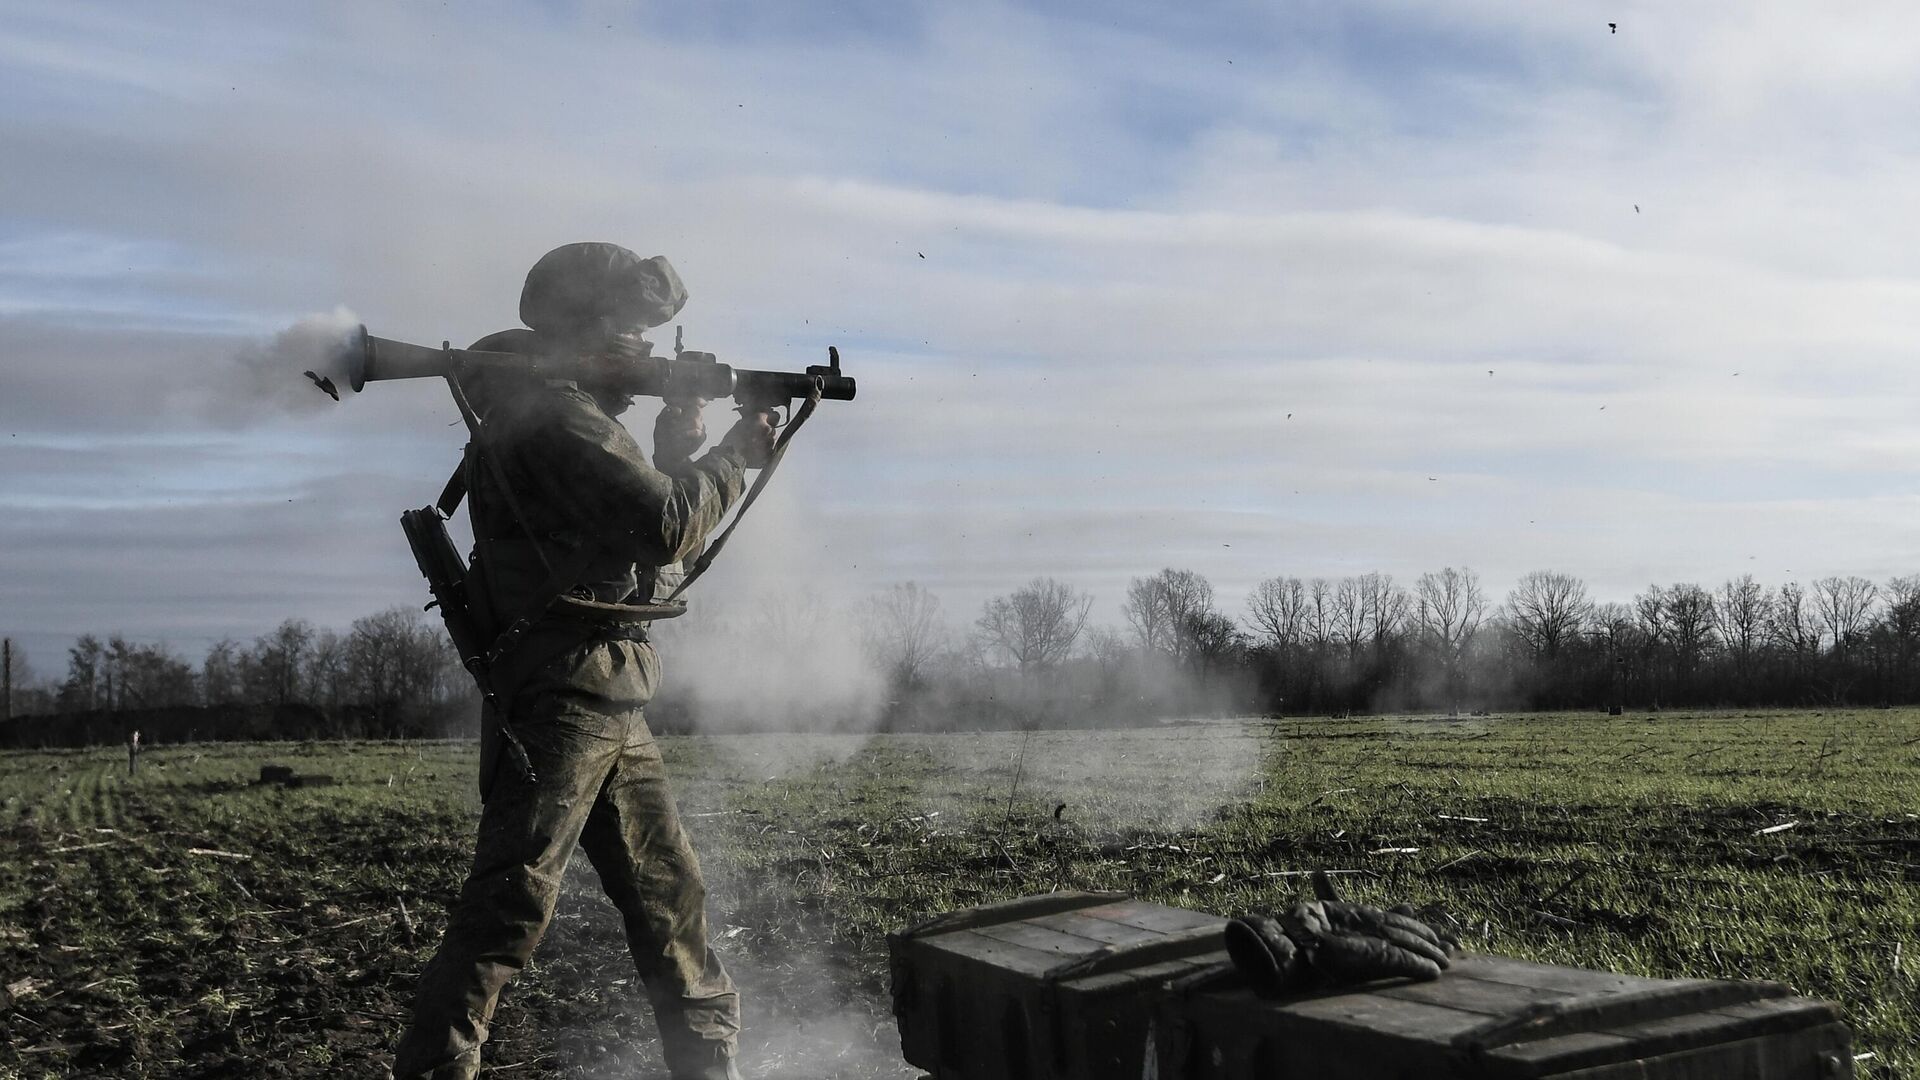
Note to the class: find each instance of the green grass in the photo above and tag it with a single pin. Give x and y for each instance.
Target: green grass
(1630, 843)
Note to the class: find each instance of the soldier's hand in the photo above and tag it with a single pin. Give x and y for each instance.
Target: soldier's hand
(753, 437)
(1354, 943)
(679, 430)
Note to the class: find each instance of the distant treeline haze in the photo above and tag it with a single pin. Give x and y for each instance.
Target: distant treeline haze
(1299, 646)
(391, 674)
(1371, 644)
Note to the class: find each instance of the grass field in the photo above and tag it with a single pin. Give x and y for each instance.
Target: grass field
(185, 922)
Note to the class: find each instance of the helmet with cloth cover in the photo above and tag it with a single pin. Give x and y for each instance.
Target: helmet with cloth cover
(577, 290)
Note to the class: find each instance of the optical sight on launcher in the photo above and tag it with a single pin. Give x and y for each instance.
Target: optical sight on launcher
(628, 364)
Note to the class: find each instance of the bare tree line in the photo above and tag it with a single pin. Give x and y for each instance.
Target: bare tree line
(1299, 645)
(1368, 643)
(394, 662)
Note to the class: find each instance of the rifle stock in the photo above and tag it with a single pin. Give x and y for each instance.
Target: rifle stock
(446, 575)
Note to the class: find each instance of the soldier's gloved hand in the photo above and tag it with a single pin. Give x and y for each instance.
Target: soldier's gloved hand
(678, 431)
(1353, 943)
(752, 436)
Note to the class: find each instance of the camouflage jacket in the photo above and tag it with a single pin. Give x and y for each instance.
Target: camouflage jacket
(602, 516)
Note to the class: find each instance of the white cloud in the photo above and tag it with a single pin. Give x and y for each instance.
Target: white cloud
(1083, 272)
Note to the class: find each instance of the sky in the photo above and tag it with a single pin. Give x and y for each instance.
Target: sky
(1252, 289)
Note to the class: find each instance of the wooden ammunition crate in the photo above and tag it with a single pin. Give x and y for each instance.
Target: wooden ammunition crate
(1493, 1018)
(1056, 986)
(1096, 986)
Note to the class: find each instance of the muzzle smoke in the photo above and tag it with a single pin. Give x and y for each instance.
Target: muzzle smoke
(275, 373)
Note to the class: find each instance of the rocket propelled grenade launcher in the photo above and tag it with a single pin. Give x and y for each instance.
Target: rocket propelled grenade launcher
(629, 365)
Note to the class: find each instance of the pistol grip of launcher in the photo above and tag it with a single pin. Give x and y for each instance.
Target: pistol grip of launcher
(776, 419)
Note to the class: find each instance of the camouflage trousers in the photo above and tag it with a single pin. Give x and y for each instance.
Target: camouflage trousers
(600, 786)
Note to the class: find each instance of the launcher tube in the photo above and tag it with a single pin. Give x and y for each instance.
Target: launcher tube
(376, 359)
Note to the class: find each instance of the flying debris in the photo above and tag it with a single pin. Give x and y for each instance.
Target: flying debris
(323, 383)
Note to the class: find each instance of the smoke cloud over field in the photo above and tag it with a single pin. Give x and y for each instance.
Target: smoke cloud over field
(1163, 778)
(785, 662)
(769, 643)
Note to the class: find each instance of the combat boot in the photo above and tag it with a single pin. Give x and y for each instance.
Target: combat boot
(720, 1068)
(464, 1067)
(700, 1061)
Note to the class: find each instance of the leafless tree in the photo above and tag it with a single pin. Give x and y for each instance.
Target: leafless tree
(1105, 646)
(1159, 608)
(221, 680)
(136, 675)
(1844, 606)
(32, 693)
(1615, 630)
(1650, 615)
(1319, 614)
(1740, 613)
(1351, 619)
(1548, 610)
(1278, 609)
(1386, 606)
(85, 687)
(1689, 627)
(326, 669)
(118, 667)
(278, 660)
(395, 660)
(1902, 618)
(1036, 626)
(791, 619)
(902, 630)
(1792, 626)
(1211, 638)
(1448, 609)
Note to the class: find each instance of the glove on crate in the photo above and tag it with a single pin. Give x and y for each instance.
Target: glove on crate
(1333, 943)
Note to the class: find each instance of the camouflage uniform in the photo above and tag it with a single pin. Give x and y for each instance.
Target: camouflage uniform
(575, 689)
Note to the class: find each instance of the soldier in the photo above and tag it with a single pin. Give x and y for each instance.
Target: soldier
(570, 524)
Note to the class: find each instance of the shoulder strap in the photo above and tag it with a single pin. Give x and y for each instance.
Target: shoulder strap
(456, 488)
(759, 484)
(478, 430)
